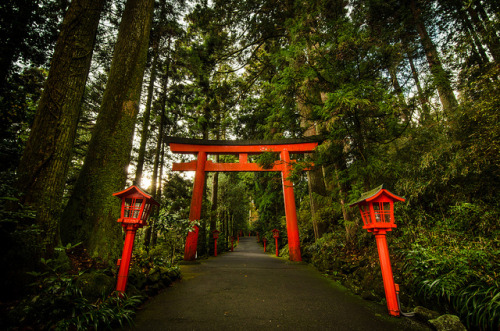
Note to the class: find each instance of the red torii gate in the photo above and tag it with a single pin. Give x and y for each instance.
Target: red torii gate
(202, 148)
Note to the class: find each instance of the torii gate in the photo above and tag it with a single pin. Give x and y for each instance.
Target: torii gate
(202, 148)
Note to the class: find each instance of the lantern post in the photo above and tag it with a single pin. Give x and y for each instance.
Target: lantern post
(265, 242)
(276, 235)
(232, 243)
(135, 209)
(215, 234)
(377, 211)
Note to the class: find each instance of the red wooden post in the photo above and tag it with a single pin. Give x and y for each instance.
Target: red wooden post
(195, 210)
(377, 212)
(128, 246)
(232, 244)
(265, 242)
(387, 278)
(290, 209)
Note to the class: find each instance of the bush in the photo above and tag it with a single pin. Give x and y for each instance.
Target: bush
(458, 272)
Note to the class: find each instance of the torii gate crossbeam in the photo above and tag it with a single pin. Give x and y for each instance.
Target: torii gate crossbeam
(201, 165)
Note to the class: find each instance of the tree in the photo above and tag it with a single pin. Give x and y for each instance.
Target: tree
(441, 77)
(91, 213)
(44, 164)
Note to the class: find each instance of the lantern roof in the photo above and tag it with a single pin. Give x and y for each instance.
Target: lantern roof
(375, 193)
(135, 189)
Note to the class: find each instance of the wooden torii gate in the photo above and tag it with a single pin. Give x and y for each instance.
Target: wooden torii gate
(203, 148)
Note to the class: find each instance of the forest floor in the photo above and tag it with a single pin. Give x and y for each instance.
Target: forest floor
(248, 289)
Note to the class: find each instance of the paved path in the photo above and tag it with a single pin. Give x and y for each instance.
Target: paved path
(249, 290)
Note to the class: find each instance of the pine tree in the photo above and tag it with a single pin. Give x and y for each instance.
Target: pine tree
(91, 213)
(44, 165)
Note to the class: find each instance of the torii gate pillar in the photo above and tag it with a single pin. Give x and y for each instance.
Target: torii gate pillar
(202, 148)
(290, 209)
(195, 209)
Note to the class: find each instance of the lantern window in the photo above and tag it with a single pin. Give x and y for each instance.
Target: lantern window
(365, 213)
(132, 207)
(145, 213)
(382, 212)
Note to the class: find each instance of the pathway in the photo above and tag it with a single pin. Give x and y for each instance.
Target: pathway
(249, 290)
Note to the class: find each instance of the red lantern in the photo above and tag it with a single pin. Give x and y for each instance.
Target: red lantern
(377, 211)
(276, 235)
(135, 209)
(136, 206)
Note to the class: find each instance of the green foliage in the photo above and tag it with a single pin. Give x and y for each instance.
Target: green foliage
(266, 160)
(479, 305)
(58, 303)
(106, 313)
(459, 271)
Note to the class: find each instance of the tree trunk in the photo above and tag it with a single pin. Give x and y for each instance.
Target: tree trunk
(489, 38)
(158, 33)
(424, 103)
(315, 180)
(159, 143)
(147, 114)
(213, 207)
(440, 76)
(45, 161)
(477, 46)
(92, 210)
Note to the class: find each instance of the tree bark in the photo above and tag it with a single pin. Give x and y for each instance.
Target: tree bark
(213, 207)
(441, 77)
(315, 179)
(147, 114)
(489, 38)
(45, 161)
(157, 35)
(159, 143)
(92, 210)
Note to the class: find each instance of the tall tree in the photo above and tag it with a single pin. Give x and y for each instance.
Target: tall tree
(441, 77)
(44, 164)
(90, 215)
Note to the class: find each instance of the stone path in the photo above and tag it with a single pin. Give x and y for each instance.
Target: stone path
(250, 290)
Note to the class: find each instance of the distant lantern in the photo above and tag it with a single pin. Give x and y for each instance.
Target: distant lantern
(377, 211)
(136, 206)
(276, 235)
